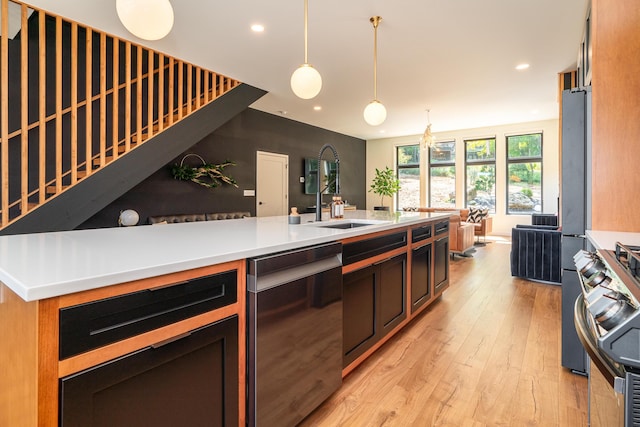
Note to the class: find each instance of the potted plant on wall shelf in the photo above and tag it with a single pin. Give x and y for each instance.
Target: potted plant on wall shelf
(385, 183)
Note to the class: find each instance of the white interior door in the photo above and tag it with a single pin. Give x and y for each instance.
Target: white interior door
(272, 184)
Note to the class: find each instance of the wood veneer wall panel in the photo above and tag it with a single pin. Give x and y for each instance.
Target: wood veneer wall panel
(616, 110)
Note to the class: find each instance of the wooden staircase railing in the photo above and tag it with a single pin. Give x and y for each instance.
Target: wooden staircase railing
(74, 99)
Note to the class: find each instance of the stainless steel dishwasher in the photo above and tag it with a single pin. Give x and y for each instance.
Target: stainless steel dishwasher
(294, 333)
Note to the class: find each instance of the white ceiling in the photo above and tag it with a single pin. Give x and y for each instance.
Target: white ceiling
(454, 57)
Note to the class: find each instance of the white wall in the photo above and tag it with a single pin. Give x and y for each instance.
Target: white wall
(382, 152)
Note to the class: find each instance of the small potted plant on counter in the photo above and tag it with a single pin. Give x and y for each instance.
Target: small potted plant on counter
(385, 183)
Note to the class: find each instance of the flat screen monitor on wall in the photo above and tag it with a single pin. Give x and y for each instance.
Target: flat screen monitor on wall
(328, 175)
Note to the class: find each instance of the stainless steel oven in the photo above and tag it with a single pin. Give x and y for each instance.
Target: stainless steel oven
(607, 321)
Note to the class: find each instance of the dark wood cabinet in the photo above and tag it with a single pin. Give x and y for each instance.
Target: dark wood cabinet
(440, 264)
(190, 381)
(420, 276)
(373, 304)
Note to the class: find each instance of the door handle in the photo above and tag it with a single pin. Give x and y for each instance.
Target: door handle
(259, 203)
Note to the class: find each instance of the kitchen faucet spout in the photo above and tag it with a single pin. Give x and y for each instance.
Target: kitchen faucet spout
(319, 191)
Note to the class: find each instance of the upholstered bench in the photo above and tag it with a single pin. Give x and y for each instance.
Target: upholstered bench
(171, 219)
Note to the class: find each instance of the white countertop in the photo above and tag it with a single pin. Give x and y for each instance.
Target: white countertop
(43, 265)
(608, 239)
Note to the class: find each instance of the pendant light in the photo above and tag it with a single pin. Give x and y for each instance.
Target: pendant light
(375, 113)
(427, 137)
(146, 19)
(306, 81)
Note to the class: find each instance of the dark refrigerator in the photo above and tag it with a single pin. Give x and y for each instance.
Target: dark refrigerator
(575, 213)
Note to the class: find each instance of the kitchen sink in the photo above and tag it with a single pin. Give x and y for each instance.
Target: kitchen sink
(347, 224)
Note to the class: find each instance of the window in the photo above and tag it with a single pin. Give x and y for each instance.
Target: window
(408, 167)
(442, 174)
(480, 170)
(524, 169)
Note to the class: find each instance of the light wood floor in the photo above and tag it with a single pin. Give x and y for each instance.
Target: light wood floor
(486, 354)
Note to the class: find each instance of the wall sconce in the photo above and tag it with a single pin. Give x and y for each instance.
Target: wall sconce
(306, 81)
(128, 218)
(146, 19)
(375, 113)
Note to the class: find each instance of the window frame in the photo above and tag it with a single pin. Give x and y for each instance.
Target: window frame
(431, 165)
(519, 160)
(417, 166)
(481, 162)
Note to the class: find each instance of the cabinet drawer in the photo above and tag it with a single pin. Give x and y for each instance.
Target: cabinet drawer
(441, 227)
(421, 233)
(88, 326)
(357, 251)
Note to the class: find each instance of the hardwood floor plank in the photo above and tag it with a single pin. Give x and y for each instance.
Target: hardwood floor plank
(487, 353)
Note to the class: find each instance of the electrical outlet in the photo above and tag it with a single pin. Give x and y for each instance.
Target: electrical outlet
(249, 193)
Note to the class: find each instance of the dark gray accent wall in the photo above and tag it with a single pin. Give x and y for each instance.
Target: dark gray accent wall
(238, 140)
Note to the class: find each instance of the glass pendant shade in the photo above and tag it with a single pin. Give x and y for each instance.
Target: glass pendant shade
(375, 113)
(306, 82)
(146, 19)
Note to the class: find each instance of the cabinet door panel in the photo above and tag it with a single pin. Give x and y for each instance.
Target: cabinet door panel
(359, 302)
(420, 276)
(192, 381)
(441, 263)
(392, 292)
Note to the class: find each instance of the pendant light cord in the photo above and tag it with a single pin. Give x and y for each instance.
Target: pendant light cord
(375, 21)
(306, 13)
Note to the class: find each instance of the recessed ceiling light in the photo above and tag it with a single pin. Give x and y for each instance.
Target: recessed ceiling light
(521, 67)
(257, 28)
(317, 108)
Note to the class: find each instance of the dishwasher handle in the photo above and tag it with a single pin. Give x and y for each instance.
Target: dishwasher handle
(267, 264)
(281, 277)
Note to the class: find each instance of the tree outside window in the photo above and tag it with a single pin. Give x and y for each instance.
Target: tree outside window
(408, 167)
(480, 157)
(524, 169)
(442, 174)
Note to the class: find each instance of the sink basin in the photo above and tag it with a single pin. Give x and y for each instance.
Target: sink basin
(347, 224)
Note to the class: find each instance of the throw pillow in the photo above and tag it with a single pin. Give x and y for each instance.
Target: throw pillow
(477, 214)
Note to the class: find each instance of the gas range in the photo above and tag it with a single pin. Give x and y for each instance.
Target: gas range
(610, 281)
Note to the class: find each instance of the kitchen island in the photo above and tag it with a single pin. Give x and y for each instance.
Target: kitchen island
(49, 277)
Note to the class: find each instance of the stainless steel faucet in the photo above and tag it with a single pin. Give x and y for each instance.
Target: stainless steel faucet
(319, 192)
